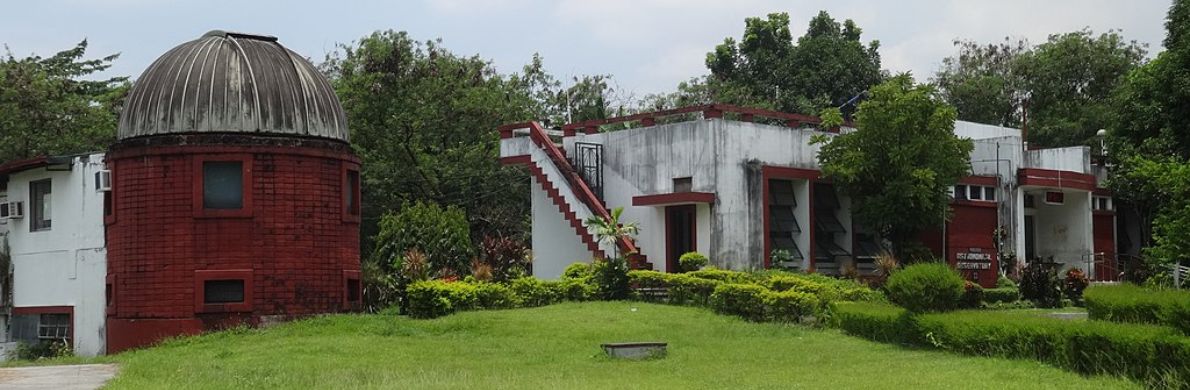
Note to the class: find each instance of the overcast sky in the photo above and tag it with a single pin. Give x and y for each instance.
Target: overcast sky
(648, 45)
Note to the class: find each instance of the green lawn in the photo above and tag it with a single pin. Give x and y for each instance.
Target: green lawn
(557, 347)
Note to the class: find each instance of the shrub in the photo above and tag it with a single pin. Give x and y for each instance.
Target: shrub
(972, 294)
(875, 321)
(506, 258)
(926, 287)
(648, 279)
(533, 292)
(577, 271)
(1004, 281)
(1131, 303)
(788, 306)
(1040, 284)
(577, 290)
(743, 300)
(611, 279)
(1076, 281)
(1152, 354)
(494, 296)
(784, 283)
(685, 289)
(44, 349)
(1001, 295)
(443, 234)
(692, 261)
(721, 275)
(436, 298)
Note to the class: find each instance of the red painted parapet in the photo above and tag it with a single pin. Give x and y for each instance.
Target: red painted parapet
(708, 111)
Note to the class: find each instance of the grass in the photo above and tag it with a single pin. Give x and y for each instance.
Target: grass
(558, 347)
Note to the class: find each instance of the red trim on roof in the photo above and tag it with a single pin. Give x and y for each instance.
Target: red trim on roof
(673, 198)
(22, 165)
(790, 173)
(1056, 179)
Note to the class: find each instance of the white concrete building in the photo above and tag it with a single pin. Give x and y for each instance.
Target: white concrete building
(738, 189)
(55, 221)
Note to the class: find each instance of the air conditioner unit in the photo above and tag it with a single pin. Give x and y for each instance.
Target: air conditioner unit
(12, 210)
(103, 181)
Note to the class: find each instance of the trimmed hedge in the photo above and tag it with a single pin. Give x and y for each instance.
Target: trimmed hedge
(875, 321)
(1152, 354)
(533, 292)
(1001, 295)
(739, 299)
(788, 306)
(1155, 355)
(436, 298)
(1131, 303)
(689, 290)
(721, 275)
(692, 261)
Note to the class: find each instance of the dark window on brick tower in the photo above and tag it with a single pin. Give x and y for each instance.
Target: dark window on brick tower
(353, 290)
(40, 203)
(223, 291)
(351, 193)
(222, 184)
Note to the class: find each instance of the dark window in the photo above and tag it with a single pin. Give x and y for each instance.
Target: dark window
(976, 193)
(223, 291)
(989, 193)
(107, 204)
(1054, 197)
(222, 184)
(54, 327)
(960, 192)
(683, 184)
(352, 290)
(1029, 201)
(107, 293)
(40, 204)
(351, 193)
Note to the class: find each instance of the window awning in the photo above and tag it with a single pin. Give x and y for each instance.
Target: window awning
(674, 198)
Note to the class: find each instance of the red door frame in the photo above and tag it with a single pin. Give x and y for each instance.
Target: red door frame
(671, 257)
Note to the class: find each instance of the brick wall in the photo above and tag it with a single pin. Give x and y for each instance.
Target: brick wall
(294, 237)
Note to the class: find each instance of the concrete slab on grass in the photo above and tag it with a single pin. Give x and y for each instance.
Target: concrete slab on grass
(74, 377)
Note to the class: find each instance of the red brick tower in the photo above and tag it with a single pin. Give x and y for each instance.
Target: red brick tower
(235, 194)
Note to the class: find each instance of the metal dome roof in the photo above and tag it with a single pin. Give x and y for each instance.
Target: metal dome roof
(228, 82)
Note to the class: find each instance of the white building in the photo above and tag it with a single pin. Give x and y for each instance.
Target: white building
(55, 221)
(737, 190)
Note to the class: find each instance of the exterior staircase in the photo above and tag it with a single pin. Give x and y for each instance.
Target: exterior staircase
(570, 193)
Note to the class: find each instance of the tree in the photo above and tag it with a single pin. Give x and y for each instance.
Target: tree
(1063, 85)
(1149, 143)
(48, 106)
(899, 163)
(612, 230)
(825, 68)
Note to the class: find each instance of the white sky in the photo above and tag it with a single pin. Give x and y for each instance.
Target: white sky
(648, 45)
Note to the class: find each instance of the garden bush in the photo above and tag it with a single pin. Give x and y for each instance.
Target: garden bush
(578, 290)
(1076, 281)
(1131, 303)
(1001, 295)
(577, 270)
(443, 234)
(1004, 281)
(1155, 355)
(875, 321)
(436, 298)
(788, 306)
(533, 292)
(721, 275)
(1040, 284)
(689, 290)
(742, 300)
(692, 261)
(972, 295)
(648, 279)
(611, 279)
(494, 296)
(926, 287)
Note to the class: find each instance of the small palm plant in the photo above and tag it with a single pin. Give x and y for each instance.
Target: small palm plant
(612, 230)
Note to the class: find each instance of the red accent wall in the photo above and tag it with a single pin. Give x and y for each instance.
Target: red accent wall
(294, 238)
(970, 231)
(1104, 240)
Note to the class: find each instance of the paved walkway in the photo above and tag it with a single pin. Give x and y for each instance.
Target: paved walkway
(76, 377)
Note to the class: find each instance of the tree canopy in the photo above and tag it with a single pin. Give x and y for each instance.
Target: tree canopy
(1063, 85)
(825, 68)
(899, 163)
(49, 106)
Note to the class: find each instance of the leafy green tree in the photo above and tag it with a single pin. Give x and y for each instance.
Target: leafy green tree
(899, 163)
(825, 68)
(49, 106)
(1063, 85)
(441, 233)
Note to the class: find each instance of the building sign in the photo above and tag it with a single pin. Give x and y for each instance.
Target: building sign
(973, 259)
